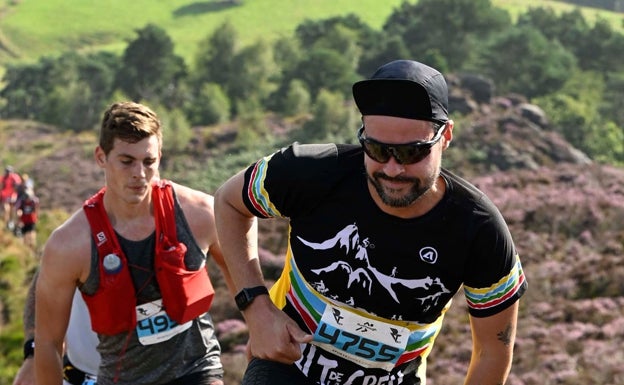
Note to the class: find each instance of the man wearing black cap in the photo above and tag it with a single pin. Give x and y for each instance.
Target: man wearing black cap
(381, 238)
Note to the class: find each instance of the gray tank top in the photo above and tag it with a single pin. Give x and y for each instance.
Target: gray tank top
(124, 359)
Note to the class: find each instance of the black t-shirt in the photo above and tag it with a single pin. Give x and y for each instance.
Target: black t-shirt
(348, 261)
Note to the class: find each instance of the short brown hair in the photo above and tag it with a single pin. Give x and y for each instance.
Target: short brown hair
(130, 122)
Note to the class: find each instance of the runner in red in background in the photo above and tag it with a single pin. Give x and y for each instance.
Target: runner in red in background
(8, 194)
(27, 209)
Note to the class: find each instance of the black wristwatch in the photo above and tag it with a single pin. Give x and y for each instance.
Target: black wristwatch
(247, 295)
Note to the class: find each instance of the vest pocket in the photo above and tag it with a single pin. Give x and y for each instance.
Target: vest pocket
(186, 294)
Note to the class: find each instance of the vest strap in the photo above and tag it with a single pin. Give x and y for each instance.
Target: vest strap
(101, 228)
(162, 197)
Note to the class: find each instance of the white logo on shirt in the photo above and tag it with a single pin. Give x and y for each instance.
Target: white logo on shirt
(429, 255)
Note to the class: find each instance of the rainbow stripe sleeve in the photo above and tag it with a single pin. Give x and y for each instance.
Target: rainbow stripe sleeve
(480, 300)
(255, 193)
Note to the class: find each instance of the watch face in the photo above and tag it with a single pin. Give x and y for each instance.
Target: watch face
(247, 295)
(241, 299)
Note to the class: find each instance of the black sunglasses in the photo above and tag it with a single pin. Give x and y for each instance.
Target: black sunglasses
(404, 153)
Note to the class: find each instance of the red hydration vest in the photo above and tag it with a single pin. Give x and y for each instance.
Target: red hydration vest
(29, 210)
(186, 294)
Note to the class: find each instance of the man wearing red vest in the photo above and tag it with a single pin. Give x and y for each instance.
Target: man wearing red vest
(137, 252)
(8, 193)
(27, 210)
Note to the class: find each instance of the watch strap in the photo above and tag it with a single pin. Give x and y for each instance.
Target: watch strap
(247, 295)
(29, 348)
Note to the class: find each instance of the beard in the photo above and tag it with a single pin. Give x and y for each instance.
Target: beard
(419, 188)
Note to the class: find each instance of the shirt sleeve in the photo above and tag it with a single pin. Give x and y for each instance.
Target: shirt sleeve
(291, 181)
(494, 277)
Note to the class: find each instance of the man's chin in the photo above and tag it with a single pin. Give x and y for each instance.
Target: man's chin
(391, 197)
(136, 198)
(398, 202)
(399, 198)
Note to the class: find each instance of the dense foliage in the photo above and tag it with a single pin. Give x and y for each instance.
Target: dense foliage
(542, 55)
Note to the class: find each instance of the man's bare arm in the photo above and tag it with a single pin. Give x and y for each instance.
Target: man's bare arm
(492, 352)
(26, 373)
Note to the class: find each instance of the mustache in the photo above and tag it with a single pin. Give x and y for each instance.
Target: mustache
(381, 175)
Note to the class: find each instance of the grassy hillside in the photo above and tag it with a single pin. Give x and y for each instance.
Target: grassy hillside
(33, 28)
(40, 27)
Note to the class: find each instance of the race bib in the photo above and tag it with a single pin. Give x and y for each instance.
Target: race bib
(367, 342)
(154, 325)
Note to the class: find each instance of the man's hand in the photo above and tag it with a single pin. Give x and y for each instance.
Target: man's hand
(272, 334)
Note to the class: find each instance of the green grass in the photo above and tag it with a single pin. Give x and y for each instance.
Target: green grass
(34, 28)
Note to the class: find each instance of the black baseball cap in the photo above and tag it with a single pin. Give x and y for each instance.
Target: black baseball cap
(405, 89)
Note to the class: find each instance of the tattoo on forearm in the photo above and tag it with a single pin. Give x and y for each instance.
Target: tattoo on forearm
(505, 335)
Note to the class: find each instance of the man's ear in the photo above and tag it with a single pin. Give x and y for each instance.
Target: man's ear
(448, 133)
(100, 156)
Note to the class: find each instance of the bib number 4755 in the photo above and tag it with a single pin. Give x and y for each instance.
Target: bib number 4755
(357, 345)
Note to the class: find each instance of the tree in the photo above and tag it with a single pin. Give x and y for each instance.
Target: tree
(613, 102)
(250, 75)
(384, 50)
(598, 47)
(578, 112)
(297, 100)
(209, 106)
(26, 88)
(82, 89)
(286, 53)
(332, 120)
(602, 49)
(348, 35)
(252, 128)
(69, 91)
(311, 31)
(177, 132)
(522, 60)
(151, 70)
(327, 69)
(606, 143)
(569, 28)
(326, 55)
(242, 74)
(454, 28)
(215, 56)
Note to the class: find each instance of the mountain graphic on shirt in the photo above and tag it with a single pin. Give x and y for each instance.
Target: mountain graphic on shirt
(356, 265)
